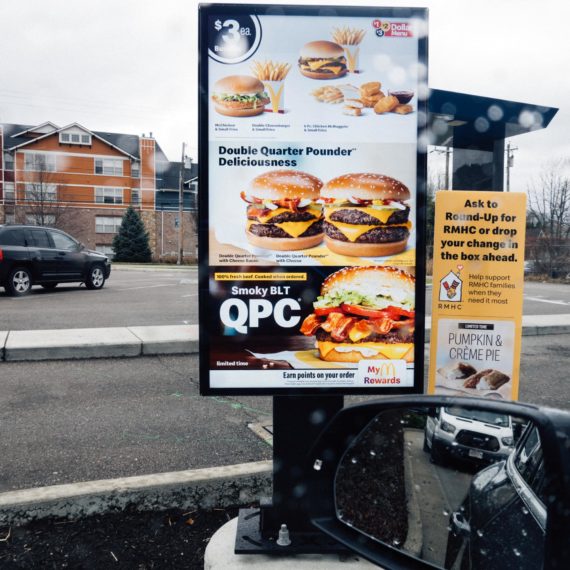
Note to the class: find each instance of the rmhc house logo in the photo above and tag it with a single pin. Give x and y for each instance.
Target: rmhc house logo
(392, 29)
(382, 373)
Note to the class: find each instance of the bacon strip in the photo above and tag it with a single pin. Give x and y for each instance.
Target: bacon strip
(310, 325)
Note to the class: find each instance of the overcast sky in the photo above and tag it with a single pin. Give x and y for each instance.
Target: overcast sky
(131, 65)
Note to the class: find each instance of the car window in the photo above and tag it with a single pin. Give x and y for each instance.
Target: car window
(501, 420)
(61, 241)
(529, 461)
(13, 237)
(40, 238)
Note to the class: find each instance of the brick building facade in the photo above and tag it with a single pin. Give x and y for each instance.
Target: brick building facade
(82, 181)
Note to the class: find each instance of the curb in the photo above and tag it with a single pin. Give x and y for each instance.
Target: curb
(199, 488)
(112, 342)
(122, 342)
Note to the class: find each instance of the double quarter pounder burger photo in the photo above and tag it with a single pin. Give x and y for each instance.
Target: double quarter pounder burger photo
(322, 60)
(239, 96)
(366, 215)
(282, 213)
(364, 313)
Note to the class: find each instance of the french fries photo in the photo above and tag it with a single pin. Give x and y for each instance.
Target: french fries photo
(270, 70)
(346, 36)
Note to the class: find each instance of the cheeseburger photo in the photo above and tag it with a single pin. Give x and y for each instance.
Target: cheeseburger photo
(366, 215)
(239, 96)
(364, 313)
(282, 212)
(322, 60)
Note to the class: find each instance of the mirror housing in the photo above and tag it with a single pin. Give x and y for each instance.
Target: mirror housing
(347, 425)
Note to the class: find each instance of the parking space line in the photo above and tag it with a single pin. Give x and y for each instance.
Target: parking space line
(145, 287)
(551, 301)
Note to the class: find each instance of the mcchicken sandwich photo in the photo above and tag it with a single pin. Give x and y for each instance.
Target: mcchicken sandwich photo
(366, 215)
(364, 313)
(322, 60)
(239, 96)
(282, 212)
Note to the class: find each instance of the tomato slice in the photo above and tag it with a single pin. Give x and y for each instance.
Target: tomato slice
(323, 312)
(362, 311)
(398, 312)
(390, 312)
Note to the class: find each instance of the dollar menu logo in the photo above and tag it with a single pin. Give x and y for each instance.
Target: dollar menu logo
(232, 38)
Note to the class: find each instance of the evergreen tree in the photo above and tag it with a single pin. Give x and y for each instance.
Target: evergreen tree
(131, 243)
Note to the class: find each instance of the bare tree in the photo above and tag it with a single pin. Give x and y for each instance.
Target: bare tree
(549, 219)
(43, 201)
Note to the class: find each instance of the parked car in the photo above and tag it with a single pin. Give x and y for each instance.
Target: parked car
(476, 436)
(505, 505)
(33, 255)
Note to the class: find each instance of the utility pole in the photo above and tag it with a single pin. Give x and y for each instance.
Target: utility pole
(510, 163)
(181, 207)
(447, 181)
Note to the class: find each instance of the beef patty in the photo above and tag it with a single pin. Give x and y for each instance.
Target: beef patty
(271, 230)
(381, 234)
(355, 216)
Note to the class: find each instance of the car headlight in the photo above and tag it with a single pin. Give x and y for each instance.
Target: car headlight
(508, 441)
(449, 428)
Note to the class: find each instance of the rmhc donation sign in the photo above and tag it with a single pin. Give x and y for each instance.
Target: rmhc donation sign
(311, 217)
(478, 278)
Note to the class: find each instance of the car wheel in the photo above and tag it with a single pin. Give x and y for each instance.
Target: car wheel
(19, 282)
(49, 286)
(95, 277)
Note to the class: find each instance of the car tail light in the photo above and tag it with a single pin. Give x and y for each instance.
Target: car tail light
(1, 255)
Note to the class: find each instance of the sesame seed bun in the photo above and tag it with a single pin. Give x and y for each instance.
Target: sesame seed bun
(321, 49)
(365, 186)
(239, 85)
(371, 280)
(279, 184)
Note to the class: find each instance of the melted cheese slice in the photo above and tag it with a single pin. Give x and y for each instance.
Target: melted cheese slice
(353, 231)
(294, 229)
(333, 68)
(381, 215)
(383, 350)
(313, 65)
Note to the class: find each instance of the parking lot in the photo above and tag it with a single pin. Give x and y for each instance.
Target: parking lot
(131, 297)
(169, 296)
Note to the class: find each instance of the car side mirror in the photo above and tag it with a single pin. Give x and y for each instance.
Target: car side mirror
(485, 487)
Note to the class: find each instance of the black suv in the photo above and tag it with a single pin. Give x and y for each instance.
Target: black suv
(32, 255)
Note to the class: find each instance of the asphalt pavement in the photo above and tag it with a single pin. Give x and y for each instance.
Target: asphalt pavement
(169, 296)
(66, 421)
(130, 297)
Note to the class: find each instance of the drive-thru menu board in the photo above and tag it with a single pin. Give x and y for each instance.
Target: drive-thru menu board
(478, 279)
(310, 210)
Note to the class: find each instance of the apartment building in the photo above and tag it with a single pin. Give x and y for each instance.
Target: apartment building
(82, 181)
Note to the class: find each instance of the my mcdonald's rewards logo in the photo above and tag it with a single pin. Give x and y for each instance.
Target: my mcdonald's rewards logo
(382, 372)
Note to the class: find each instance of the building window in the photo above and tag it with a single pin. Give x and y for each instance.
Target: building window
(40, 220)
(36, 162)
(9, 191)
(105, 250)
(135, 197)
(74, 138)
(8, 161)
(10, 219)
(41, 192)
(109, 195)
(109, 166)
(107, 224)
(135, 169)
